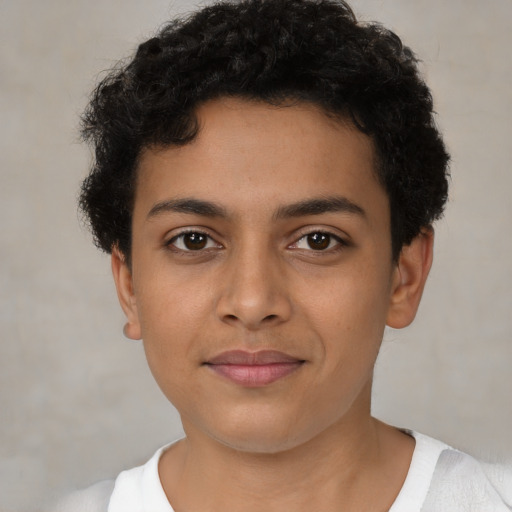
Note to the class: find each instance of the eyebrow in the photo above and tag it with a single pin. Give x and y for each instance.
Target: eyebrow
(307, 207)
(318, 206)
(188, 205)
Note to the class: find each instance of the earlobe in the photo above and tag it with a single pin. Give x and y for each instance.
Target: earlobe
(409, 279)
(125, 293)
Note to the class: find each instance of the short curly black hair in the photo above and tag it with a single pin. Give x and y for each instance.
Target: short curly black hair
(273, 51)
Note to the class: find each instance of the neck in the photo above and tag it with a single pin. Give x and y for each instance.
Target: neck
(357, 464)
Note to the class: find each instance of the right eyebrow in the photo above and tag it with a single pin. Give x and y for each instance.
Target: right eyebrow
(187, 205)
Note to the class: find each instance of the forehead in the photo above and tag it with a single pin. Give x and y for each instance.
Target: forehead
(251, 155)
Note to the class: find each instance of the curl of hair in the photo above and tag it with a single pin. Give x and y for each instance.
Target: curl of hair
(273, 51)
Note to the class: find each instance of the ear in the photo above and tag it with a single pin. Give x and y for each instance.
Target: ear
(409, 279)
(124, 286)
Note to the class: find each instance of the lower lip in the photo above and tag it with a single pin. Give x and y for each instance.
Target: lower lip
(255, 376)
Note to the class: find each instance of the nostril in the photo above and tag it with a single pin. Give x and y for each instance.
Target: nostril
(269, 318)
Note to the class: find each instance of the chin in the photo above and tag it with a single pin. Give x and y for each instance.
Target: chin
(261, 444)
(263, 437)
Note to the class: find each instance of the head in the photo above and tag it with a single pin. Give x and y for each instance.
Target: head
(279, 52)
(266, 177)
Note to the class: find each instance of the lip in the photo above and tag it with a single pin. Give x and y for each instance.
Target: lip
(254, 369)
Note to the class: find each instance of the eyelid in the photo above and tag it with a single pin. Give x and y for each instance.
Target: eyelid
(169, 241)
(342, 239)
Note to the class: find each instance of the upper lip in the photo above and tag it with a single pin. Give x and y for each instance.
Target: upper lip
(245, 358)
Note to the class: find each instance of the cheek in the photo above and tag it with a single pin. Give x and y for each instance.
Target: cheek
(172, 315)
(349, 321)
(348, 313)
(170, 301)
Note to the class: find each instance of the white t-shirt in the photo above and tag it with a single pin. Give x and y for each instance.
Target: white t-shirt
(440, 479)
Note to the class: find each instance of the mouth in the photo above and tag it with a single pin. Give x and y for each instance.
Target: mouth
(254, 369)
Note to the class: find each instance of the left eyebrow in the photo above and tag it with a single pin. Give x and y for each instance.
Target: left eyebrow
(318, 206)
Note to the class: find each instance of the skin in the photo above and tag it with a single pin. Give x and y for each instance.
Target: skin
(258, 284)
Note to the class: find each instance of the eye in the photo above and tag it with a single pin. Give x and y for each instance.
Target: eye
(193, 241)
(318, 241)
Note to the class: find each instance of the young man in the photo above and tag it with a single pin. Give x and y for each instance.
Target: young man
(267, 174)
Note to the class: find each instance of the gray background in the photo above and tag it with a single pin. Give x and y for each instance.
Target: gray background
(77, 403)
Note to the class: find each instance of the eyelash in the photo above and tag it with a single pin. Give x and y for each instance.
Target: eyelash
(339, 242)
(171, 244)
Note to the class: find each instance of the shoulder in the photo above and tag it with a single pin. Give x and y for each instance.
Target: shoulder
(92, 499)
(441, 478)
(133, 490)
(461, 482)
(500, 475)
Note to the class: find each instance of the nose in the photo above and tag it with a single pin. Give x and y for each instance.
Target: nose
(255, 291)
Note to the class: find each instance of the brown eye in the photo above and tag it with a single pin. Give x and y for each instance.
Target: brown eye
(195, 241)
(318, 241)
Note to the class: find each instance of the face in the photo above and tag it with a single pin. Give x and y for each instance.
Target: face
(261, 276)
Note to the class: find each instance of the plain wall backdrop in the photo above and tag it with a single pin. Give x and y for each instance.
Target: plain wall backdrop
(77, 403)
